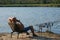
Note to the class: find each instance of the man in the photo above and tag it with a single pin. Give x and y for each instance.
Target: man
(20, 27)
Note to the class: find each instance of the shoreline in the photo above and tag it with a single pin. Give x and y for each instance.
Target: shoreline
(29, 5)
(23, 36)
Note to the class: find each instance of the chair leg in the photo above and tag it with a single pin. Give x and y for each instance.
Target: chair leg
(27, 33)
(11, 34)
(18, 36)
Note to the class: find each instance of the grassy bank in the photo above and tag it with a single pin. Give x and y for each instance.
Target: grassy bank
(29, 5)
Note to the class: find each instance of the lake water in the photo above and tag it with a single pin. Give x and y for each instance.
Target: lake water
(30, 16)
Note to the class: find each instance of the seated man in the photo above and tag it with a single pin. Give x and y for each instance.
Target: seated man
(21, 26)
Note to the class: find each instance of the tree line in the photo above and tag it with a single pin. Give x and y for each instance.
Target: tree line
(29, 1)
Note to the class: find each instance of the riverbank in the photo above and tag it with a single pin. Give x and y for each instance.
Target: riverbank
(29, 5)
(23, 36)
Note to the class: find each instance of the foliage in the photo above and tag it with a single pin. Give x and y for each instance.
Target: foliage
(30, 1)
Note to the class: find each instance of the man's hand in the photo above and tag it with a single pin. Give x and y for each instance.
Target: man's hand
(18, 20)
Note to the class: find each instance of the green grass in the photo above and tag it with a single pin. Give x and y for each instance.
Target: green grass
(29, 5)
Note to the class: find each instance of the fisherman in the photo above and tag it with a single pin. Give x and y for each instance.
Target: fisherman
(20, 26)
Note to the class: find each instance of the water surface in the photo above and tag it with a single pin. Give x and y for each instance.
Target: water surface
(30, 16)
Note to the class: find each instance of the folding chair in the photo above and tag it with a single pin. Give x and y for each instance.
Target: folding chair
(15, 29)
